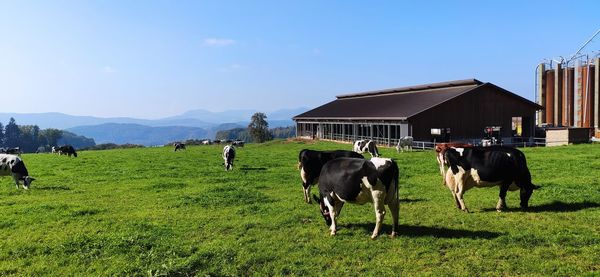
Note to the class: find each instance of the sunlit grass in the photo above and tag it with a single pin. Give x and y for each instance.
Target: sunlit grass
(154, 211)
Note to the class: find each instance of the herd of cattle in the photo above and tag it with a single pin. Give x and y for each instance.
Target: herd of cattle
(347, 177)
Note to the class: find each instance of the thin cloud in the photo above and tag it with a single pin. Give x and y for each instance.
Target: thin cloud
(108, 69)
(218, 42)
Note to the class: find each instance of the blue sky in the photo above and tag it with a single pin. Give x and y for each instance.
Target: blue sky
(152, 59)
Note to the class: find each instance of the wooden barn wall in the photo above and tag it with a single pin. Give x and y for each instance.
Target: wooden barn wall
(468, 115)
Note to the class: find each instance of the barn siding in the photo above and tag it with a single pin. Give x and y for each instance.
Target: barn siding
(468, 114)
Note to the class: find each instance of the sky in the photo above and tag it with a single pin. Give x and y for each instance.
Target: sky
(153, 59)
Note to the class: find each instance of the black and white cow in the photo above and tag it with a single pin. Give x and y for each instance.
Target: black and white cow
(67, 150)
(359, 181)
(486, 167)
(228, 156)
(238, 143)
(310, 163)
(14, 166)
(404, 142)
(366, 145)
(13, 151)
(179, 146)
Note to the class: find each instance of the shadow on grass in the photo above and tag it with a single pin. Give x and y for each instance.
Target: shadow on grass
(556, 206)
(253, 168)
(408, 200)
(425, 231)
(53, 188)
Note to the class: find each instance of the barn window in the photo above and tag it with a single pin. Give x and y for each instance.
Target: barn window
(517, 126)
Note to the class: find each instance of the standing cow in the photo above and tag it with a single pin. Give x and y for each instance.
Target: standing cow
(366, 145)
(404, 142)
(14, 166)
(486, 167)
(228, 157)
(179, 146)
(359, 181)
(310, 163)
(67, 150)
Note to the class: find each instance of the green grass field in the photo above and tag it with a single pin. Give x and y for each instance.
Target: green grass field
(153, 211)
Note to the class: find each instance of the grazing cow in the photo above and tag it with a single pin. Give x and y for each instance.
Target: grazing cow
(404, 142)
(206, 142)
(359, 181)
(179, 146)
(238, 143)
(485, 167)
(67, 150)
(13, 165)
(228, 156)
(54, 149)
(310, 163)
(366, 145)
(440, 150)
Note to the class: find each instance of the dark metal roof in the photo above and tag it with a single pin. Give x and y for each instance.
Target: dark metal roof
(396, 104)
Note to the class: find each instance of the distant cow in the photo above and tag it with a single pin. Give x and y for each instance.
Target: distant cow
(14, 166)
(359, 181)
(67, 150)
(440, 150)
(485, 167)
(228, 156)
(366, 145)
(179, 146)
(54, 149)
(238, 143)
(310, 163)
(11, 150)
(217, 141)
(404, 142)
(206, 142)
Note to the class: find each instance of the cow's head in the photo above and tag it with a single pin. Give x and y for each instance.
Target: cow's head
(324, 210)
(526, 194)
(27, 181)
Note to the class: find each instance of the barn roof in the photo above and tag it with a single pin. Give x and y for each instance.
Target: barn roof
(397, 103)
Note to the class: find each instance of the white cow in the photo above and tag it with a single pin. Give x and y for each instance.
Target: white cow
(405, 142)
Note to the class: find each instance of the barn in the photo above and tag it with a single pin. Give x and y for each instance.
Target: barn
(462, 110)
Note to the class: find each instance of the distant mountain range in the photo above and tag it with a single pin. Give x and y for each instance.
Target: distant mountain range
(191, 124)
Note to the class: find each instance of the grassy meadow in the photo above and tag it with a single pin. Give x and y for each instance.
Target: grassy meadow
(154, 212)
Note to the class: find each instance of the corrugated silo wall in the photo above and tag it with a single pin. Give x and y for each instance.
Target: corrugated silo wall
(570, 96)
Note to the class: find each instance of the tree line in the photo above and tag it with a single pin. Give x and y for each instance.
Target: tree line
(30, 138)
(257, 131)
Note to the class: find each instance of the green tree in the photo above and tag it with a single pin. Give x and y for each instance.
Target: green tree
(51, 136)
(259, 128)
(12, 134)
(1, 134)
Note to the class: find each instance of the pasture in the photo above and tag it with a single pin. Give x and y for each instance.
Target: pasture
(153, 211)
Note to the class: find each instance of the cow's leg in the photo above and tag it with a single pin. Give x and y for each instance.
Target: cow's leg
(379, 205)
(16, 180)
(394, 206)
(460, 183)
(332, 214)
(502, 197)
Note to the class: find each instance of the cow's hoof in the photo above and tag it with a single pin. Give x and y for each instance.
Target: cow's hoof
(393, 234)
(465, 210)
(373, 237)
(332, 234)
